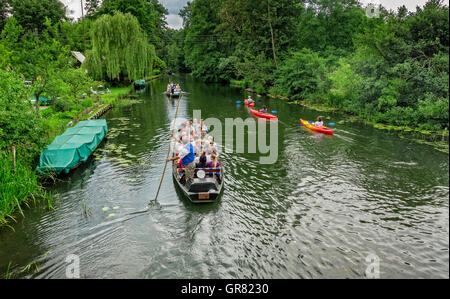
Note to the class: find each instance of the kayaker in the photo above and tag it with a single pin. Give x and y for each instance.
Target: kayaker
(264, 109)
(319, 122)
(187, 157)
(249, 100)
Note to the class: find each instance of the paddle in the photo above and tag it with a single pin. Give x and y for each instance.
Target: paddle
(168, 151)
(331, 124)
(238, 102)
(274, 111)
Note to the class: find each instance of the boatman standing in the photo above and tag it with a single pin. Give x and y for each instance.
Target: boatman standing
(187, 157)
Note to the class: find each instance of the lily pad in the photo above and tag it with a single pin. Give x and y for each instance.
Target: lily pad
(105, 209)
(111, 215)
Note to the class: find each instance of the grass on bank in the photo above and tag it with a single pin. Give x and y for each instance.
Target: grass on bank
(22, 188)
(18, 188)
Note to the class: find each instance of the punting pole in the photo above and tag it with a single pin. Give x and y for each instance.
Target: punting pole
(168, 151)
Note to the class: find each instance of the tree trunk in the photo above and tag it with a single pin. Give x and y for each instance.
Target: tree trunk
(37, 95)
(271, 33)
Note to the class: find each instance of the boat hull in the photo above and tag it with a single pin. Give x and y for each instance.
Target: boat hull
(200, 191)
(173, 95)
(262, 115)
(323, 130)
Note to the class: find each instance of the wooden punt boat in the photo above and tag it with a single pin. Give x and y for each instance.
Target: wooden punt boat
(200, 190)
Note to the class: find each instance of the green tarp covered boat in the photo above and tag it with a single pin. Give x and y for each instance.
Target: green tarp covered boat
(73, 147)
(139, 84)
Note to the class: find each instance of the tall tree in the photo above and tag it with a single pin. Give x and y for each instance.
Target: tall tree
(91, 7)
(4, 8)
(120, 49)
(31, 14)
(37, 57)
(149, 13)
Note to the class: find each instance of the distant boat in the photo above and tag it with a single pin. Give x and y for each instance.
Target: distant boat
(43, 101)
(139, 84)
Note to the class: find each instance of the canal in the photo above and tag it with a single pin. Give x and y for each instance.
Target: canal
(329, 207)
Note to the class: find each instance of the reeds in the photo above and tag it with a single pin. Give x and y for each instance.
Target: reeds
(18, 189)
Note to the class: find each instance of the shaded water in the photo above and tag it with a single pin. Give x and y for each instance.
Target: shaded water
(327, 203)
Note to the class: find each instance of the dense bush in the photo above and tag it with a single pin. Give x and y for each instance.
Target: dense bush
(392, 69)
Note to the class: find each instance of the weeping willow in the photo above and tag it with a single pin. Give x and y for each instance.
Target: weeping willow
(119, 48)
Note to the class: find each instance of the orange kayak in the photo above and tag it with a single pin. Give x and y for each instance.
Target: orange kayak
(323, 130)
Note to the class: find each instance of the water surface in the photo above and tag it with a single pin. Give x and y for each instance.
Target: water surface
(327, 203)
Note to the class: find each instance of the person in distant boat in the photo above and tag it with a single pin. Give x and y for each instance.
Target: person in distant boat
(214, 163)
(264, 109)
(172, 88)
(319, 122)
(249, 100)
(187, 157)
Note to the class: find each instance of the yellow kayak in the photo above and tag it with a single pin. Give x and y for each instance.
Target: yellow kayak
(323, 130)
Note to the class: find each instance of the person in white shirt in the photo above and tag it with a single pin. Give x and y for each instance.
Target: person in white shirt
(319, 122)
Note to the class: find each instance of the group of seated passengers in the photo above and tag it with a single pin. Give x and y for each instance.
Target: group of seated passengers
(172, 87)
(194, 136)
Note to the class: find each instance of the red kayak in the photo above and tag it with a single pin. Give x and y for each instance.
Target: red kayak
(323, 130)
(252, 104)
(262, 115)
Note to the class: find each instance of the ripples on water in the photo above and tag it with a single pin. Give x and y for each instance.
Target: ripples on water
(318, 213)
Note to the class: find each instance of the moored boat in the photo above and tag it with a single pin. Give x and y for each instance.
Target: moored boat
(73, 147)
(139, 84)
(262, 115)
(310, 126)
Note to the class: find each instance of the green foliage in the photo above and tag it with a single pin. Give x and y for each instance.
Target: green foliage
(202, 54)
(300, 75)
(38, 57)
(72, 34)
(392, 69)
(17, 187)
(32, 14)
(87, 103)
(19, 125)
(77, 82)
(174, 56)
(119, 49)
(150, 15)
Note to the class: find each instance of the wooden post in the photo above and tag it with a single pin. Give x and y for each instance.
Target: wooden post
(13, 150)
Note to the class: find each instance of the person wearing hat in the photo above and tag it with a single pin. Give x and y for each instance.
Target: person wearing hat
(249, 100)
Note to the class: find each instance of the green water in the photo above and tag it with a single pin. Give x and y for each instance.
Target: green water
(327, 203)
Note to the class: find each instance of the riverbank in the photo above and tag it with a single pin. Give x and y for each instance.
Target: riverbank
(20, 186)
(439, 140)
